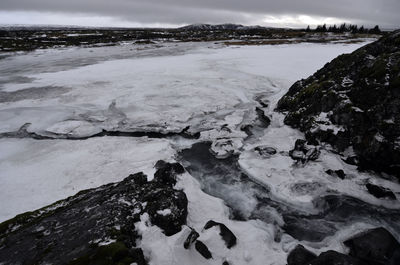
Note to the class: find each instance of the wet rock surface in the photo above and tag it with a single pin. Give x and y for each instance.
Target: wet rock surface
(353, 101)
(96, 226)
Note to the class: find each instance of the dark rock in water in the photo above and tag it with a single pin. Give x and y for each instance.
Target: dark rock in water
(335, 258)
(166, 172)
(247, 129)
(380, 192)
(264, 118)
(302, 152)
(336, 173)
(225, 263)
(300, 256)
(265, 151)
(353, 101)
(375, 247)
(203, 249)
(95, 226)
(192, 237)
(225, 233)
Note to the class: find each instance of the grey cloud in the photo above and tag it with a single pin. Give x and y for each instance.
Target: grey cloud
(383, 12)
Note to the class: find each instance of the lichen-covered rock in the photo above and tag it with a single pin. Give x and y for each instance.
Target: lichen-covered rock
(95, 226)
(354, 101)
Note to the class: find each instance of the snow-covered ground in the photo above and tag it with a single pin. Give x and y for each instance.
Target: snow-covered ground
(207, 87)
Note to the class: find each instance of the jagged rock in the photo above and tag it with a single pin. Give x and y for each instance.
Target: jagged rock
(225, 233)
(192, 237)
(336, 173)
(300, 256)
(303, 152)
(265, 151)
(95, 226)
(375, 247)
(353, 101)
(334, 258)
(380, 192)
(203, 249)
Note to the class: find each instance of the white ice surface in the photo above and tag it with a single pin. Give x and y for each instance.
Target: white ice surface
(37, 173)
(164, 93)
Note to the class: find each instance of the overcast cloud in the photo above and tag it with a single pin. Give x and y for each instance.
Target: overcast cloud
(179, 12)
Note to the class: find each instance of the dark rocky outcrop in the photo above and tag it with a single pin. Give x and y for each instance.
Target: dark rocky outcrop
(380, 192)
(225, 233)
(300, 255)
(375, 247)
(353, 101)
(95, 226)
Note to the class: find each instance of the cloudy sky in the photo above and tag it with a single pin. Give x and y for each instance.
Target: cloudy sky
(171, 13)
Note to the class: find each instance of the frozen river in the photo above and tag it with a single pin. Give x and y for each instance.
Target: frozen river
(70, 119)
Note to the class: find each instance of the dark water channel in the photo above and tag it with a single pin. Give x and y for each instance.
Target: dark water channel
(223, 178)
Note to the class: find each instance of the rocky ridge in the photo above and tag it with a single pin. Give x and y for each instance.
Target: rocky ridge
(97, 226)
(353, 103)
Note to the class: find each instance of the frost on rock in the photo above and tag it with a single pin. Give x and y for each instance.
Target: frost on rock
(359, 91)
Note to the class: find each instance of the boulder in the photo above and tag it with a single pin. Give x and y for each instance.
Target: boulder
(375, 247)
(203, 249)
(380, 192)
(300, 256)
(303, 152)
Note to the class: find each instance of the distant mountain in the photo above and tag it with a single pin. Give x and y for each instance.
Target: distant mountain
(219, 27)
